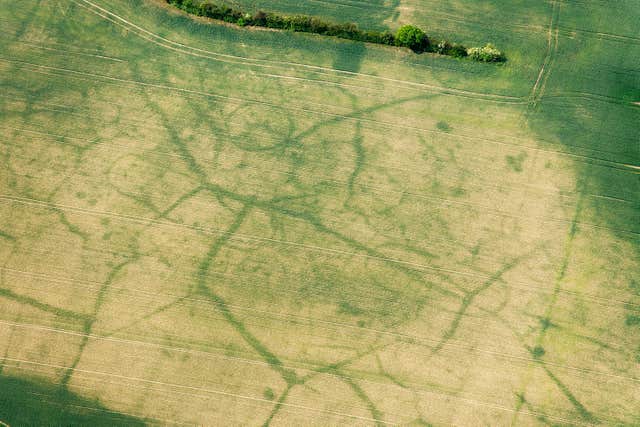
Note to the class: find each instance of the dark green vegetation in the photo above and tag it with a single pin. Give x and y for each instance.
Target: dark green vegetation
(412, 37)
(204, 224)
(408, 36)
(36, 403)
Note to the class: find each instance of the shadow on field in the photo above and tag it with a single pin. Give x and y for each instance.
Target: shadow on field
(30, 403)
(602, 129)
(588, 112)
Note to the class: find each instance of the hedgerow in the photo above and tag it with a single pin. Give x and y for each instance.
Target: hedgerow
(408, 36)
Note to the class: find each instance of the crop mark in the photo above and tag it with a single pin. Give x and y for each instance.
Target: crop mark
(375, 412)
(334, 369)
(61, 312)
(74, 229)
(584, 413)
(114, 80)
(331, 369)
(7, 236)
(562, 269)
(147, 316)
(301, 215)
(468, 299)
(186, 196)
(88, 324)
(281, 399)
(359, 160)
(203, 289)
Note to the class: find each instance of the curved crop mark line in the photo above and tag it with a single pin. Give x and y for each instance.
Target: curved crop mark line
(202, 274)
(74, 229)
(82, 75)
(332, 369)
(562, 268)
(563, 195)
(564, 263)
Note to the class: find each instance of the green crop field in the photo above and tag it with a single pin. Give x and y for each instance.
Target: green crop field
(204, 224)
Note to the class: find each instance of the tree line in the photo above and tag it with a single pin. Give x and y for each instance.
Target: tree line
(408, 36)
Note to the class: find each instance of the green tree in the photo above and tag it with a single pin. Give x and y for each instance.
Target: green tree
(412, 37)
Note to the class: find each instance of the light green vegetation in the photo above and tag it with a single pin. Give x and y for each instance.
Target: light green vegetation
(211, 225)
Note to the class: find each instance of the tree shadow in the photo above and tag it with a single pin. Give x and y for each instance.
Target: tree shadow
(28, 403)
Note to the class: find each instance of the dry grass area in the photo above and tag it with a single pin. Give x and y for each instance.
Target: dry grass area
(206, 225)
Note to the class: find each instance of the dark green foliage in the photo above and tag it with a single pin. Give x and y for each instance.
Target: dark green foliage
(407, 36)
(412, 37)
(260, 19)
(442, 47)
(457, 51)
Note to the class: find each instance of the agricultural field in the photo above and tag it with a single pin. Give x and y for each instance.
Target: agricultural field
(203, 224)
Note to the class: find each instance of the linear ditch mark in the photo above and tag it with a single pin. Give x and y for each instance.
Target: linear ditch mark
(584, 413)
(208, 391)
(203, 269)
(88, 324)
(26, 300)
(468, 299)
(375, 412)
(573, 228)
(276, 408)
(203, 289)
(333, 369)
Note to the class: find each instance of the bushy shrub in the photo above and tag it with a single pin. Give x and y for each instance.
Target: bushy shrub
(488, 53)
(442, 47)
(387, 38)
(274, 21)
(457, 51)
(412, 37)
(260, 19)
